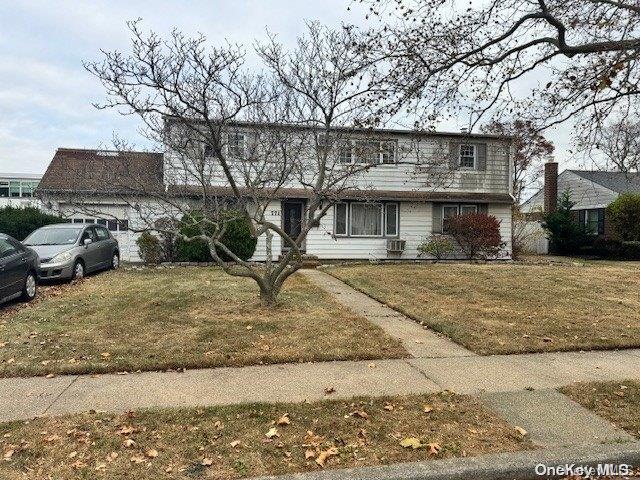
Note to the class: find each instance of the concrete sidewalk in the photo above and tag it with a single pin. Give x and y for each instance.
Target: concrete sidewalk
(23, 398)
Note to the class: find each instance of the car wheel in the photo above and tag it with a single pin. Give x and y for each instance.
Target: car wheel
(30, 288)
(78, 270)
(115, 261)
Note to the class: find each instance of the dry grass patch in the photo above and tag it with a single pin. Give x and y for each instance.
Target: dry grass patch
(181, 318)
(618, 402)
(513, 308)
(249, 440)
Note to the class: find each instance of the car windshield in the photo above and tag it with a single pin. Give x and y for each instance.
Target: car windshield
(53, 236)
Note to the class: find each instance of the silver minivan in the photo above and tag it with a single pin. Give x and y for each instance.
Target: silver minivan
(68, 251)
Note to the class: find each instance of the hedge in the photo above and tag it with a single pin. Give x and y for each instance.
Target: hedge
(20, 222)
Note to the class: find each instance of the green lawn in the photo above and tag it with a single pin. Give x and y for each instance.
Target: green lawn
(250, 440)
(513, 308)
(180, 318)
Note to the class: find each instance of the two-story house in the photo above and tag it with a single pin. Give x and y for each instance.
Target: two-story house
(386, 213)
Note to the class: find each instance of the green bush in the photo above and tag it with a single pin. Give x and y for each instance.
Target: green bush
(566, 236)
(624, 215)
(20, 222)
(149, 248)
(237, 238)
(438, 246)
(612, 249)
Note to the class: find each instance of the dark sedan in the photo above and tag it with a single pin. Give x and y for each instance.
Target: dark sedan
(18, 270)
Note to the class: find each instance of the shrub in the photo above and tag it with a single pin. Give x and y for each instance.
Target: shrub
(624, 215)
(149, 248)
(20, 222)
(438, 246)
(237, 238)
(477, 234)
(566, 236)
(614, 249)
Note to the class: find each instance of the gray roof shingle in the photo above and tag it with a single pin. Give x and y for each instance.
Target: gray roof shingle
(616, 181)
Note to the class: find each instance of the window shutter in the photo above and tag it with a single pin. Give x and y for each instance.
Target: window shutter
(601, 221)
(482, 156)
(436, 218)
(483, 208)
(454, 155)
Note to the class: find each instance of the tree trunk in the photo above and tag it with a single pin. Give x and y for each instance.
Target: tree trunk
(268, 296)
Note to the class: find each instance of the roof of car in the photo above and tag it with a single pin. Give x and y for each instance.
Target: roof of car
(64, 225)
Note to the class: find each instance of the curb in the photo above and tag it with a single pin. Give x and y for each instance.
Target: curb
(501, 466)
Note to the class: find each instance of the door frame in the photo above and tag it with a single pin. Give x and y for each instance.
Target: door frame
(303, 203)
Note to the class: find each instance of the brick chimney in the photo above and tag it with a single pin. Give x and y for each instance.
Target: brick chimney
(550, 187)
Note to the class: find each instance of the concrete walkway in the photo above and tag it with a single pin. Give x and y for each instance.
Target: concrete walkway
(23, 398)
(418, 340)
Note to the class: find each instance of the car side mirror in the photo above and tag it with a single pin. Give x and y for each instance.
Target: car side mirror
(87, 241)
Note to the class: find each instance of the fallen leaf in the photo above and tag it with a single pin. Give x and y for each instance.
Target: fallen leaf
(329, 390)
(372, 365)
(273, 432)
(105, 354)
(78, 465)
(434, 448)
(50, 375)
(8, 454)
(11, 360)
(411, 442)
(388, 407)
(102, 467)
(137, 459)
(427, 408)
(322, 458)
(125, 430)
(112, 456)
(547, 339)
(284, 420)
(361, 414)
(72, 454)
(235, 443)
(521, 431)
(128, 443)
(309, 454)
(206, 462)
(151, 453)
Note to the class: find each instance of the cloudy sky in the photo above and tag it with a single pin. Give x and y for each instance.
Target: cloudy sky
(46, 96)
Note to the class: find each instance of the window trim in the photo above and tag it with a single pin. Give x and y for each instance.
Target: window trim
(382, 224)
(475, 156)
(397, 222)
(243, 147)
(346, 219)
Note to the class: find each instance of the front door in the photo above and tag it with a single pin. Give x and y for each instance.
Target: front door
(293, 211)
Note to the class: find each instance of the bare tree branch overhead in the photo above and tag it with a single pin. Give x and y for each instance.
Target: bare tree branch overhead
(446, 55)
(235, 141)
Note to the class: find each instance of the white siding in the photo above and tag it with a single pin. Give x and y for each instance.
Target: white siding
(274, 215)
(504, 215)
(407, 175)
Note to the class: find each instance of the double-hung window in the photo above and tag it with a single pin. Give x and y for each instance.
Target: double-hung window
(468, 156)
(464, 209)
(375, 152)
(363, 219)
(448, 212)
(593, 221)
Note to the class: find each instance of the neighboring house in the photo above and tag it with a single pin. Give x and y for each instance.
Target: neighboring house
(17, 189)
(591, 191)
(393, 201)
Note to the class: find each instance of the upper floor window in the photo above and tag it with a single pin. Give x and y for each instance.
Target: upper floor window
(17, 188)
(371, 152)
(468, 156)
(236, 144)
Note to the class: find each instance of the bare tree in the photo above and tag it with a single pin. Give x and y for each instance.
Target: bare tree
(530, 151)
(445, 55)
(617, 146)
(236, 141)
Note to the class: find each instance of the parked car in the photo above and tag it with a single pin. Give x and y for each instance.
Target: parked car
(18, 270)
(69, 251)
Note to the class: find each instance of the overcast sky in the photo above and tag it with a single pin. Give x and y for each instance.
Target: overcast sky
(46, 96)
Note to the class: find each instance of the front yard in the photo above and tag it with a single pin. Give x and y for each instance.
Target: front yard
(180, 318)
(250, 440)
(618, 402)
(513, 308)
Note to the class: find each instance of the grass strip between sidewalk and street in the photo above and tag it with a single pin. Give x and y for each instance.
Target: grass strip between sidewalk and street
(251, 440)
